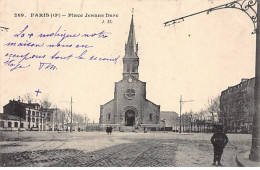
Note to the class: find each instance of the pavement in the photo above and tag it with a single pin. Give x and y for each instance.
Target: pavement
(244, 161)
(121, 149)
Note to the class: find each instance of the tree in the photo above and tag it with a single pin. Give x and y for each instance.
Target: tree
(28, 97)
(214, 108)
(66, 117)
(45, 103)
(203, 117)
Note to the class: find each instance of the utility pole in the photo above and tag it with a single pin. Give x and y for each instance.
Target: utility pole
(181, 101)
(191, 123)
(52, 120)
(56, 118)
(71, 114)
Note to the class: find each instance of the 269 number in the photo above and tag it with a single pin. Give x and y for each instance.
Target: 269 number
(19, 15)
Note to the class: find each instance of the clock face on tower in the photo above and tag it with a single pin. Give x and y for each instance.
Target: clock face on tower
(130, 79)
(129, 94)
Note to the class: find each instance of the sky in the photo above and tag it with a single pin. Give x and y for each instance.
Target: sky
(197, 58)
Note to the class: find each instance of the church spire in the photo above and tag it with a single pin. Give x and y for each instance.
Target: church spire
(131, 60)
(131, 46)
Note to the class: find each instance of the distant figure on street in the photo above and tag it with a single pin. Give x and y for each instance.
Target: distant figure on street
(219, 141)
(145, 130)
(109, 130)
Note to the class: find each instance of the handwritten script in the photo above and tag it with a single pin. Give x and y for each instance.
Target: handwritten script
(48, 49)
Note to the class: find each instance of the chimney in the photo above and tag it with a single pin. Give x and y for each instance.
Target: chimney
(244, 80)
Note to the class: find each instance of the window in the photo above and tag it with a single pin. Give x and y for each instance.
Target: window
(15, 124)
(133, 68)
(21, 125)
(9, 124)
(129, 94)
(33, 113)
(109, 116)
(127, 68)
(33, 119)
(2, 124)
(151, 116)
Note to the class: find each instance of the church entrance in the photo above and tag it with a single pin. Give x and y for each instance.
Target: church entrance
(129, 118)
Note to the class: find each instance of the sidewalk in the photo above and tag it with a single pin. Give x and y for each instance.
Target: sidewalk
(243, 160)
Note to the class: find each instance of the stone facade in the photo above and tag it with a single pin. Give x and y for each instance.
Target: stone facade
(130, 106)
(237, 106)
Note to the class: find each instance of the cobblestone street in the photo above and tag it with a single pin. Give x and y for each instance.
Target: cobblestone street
(94, 149)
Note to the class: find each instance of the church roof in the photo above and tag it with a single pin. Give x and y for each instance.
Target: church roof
(108, 102)
(131, 46)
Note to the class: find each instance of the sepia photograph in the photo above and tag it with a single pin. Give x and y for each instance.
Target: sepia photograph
(134, 83)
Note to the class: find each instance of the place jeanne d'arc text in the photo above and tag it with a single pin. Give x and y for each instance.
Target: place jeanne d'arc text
(71, 15)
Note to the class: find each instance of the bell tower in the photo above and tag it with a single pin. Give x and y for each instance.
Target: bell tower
(131, 59)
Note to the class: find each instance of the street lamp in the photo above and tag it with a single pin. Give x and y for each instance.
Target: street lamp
(245, 6)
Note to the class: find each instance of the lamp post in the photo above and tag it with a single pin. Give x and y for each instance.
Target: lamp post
(254, 153)
(245, 6)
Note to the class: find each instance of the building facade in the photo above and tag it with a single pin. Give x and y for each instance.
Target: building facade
(30, 113)
(237, 106)
(169, 121)
(130, 108)
(11, 123)
(30, 116)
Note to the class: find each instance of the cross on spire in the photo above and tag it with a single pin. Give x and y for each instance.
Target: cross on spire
(132, 11)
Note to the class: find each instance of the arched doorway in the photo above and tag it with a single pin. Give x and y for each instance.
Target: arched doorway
(129, 118)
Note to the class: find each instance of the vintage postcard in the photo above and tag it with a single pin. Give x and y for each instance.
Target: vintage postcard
(134, 83)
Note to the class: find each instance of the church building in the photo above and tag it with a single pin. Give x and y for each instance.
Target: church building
(130, 108)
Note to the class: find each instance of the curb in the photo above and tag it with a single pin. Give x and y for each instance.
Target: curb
(243, 160)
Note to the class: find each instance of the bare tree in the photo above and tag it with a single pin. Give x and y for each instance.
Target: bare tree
(45, 103)
(214, 108)
(203, 117)
(28, 97)
(67, 116)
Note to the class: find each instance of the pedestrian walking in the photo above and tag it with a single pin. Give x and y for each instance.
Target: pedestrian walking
(219, 141)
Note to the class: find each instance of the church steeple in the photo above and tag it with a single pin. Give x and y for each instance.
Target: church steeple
(131, 46)
(131, 59)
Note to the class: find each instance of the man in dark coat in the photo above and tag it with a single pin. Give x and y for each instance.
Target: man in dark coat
(219, 141)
